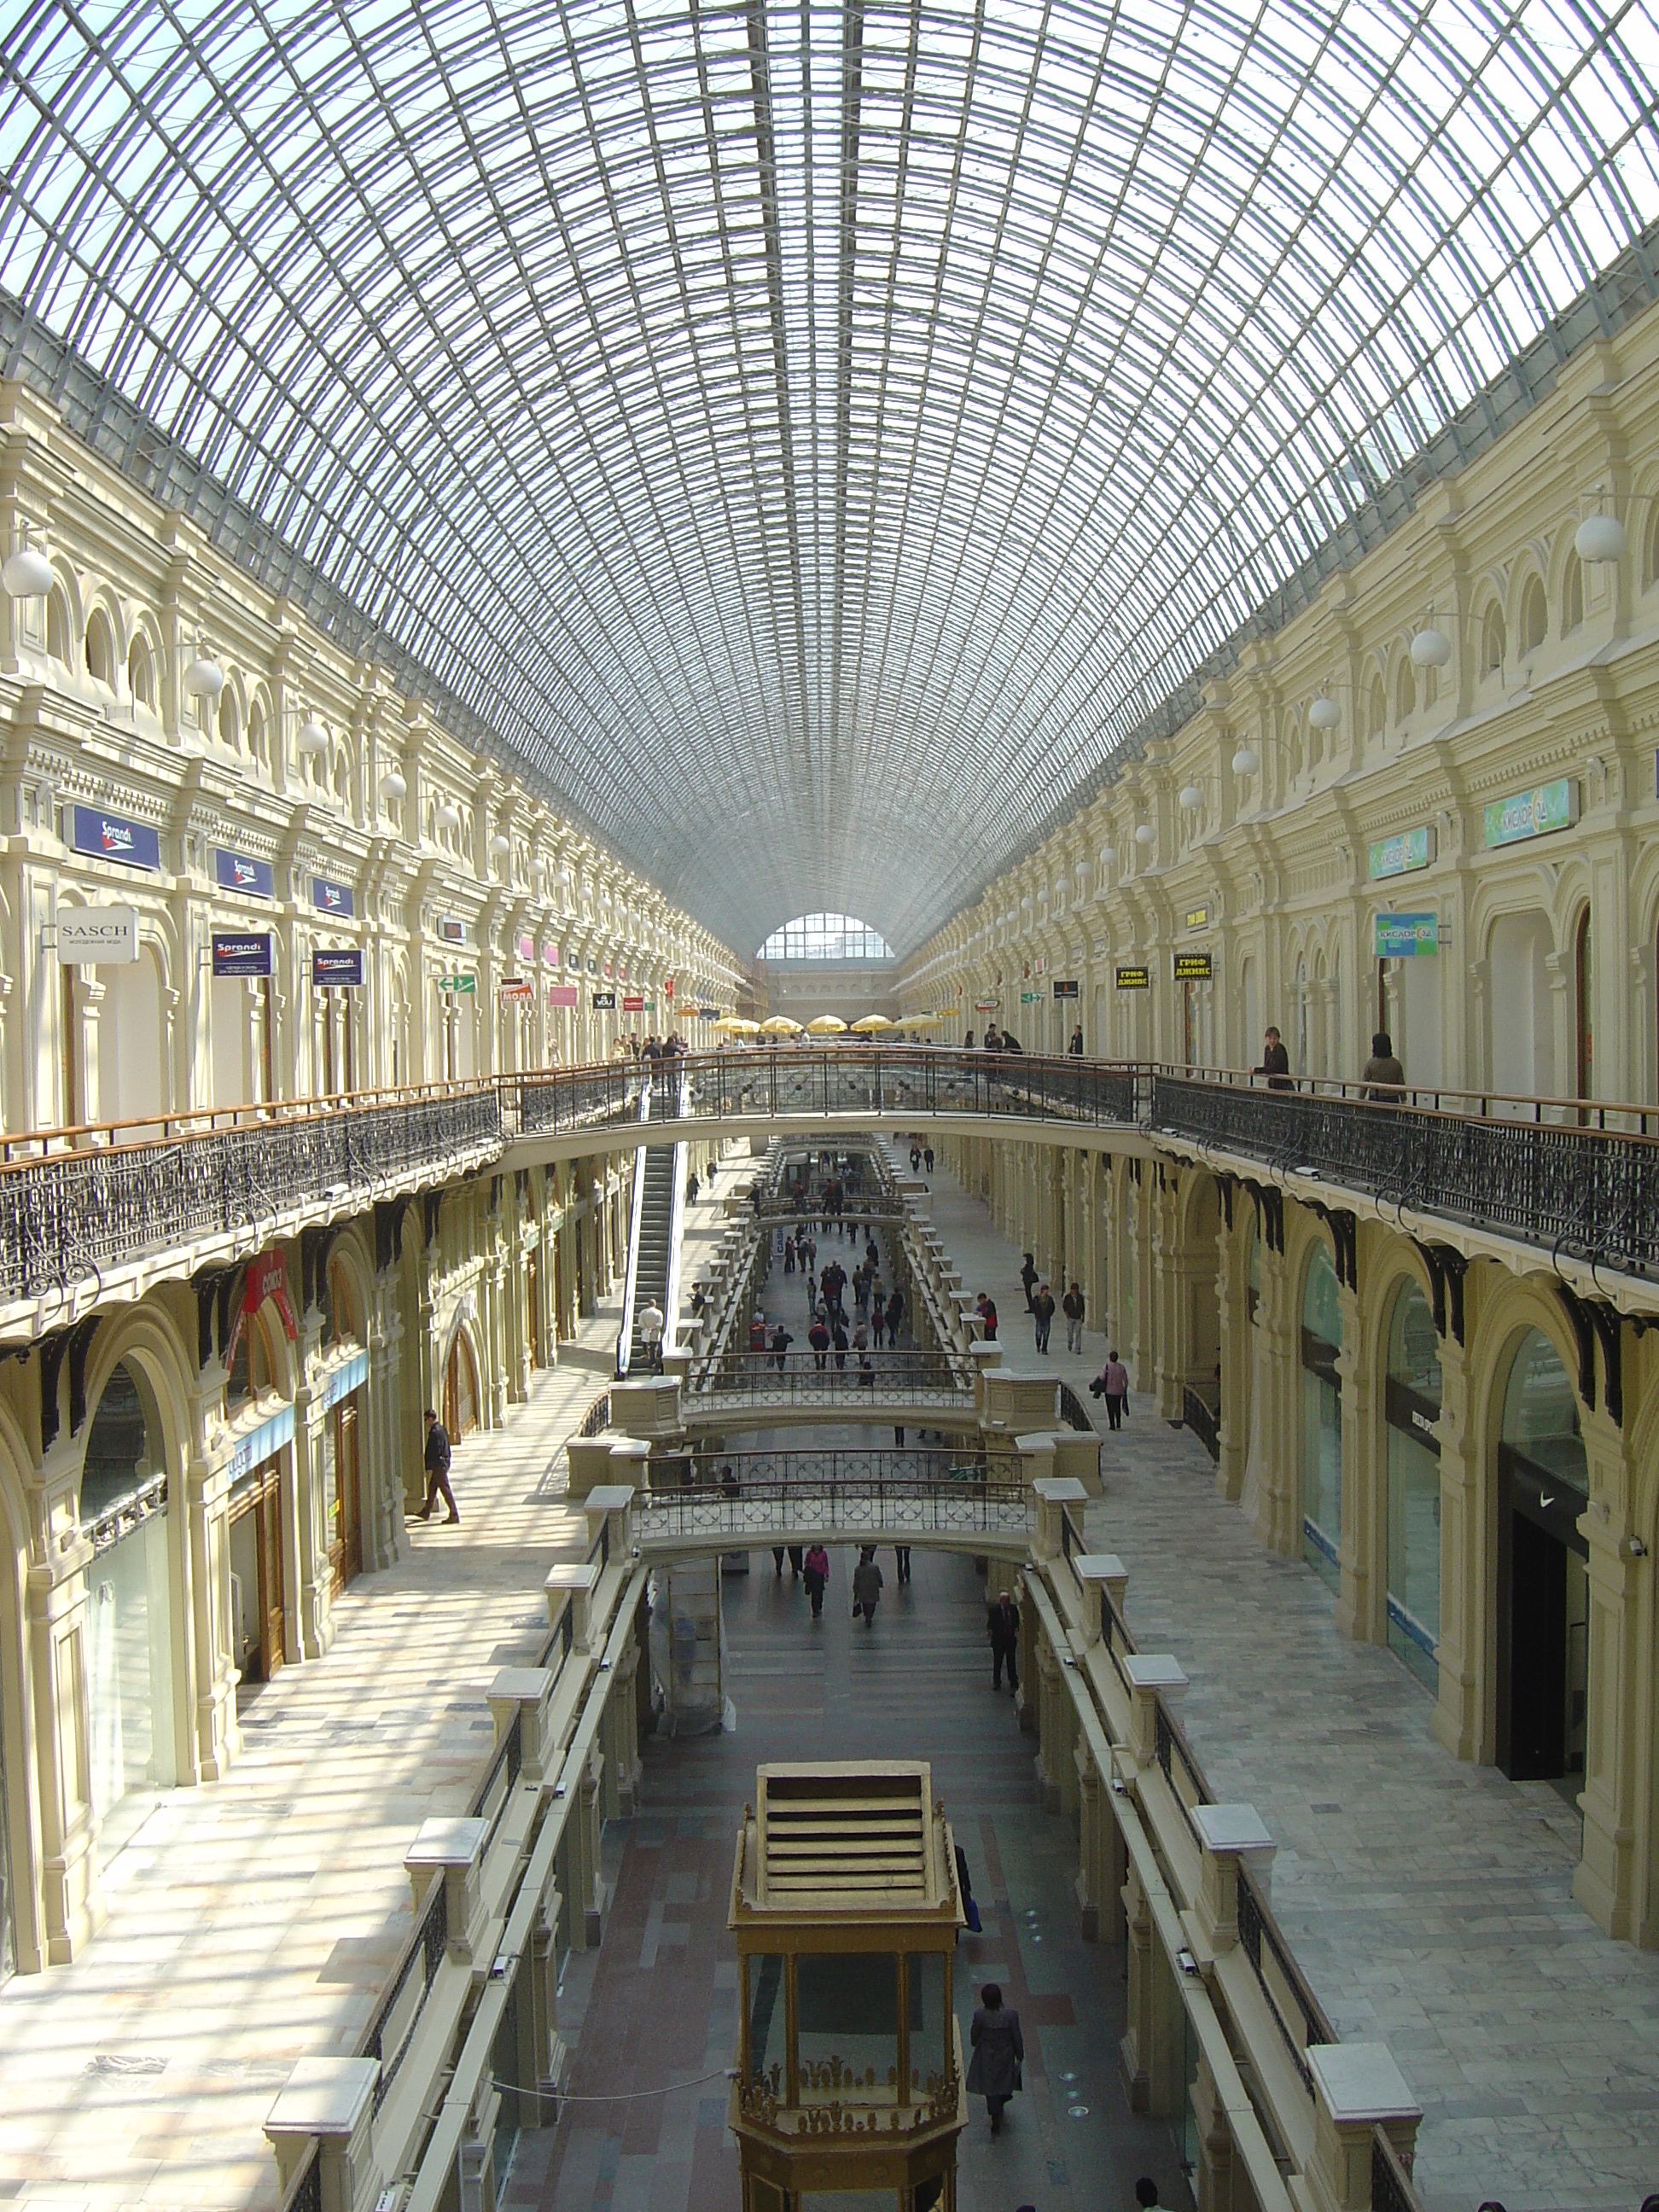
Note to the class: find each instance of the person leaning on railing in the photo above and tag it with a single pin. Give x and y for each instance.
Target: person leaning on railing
(1275, 1062)
(1384, 1079)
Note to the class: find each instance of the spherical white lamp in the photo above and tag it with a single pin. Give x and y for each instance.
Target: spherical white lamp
(314, 738)
(1600, 537)
(1145, 834)
(203, 679)
(1324, 714)
(1431, 648)
(449, 815)
(27, 573)
(499, 844)
(393, 786)
(1246, 760)
(1107, 855)
(1192, 796)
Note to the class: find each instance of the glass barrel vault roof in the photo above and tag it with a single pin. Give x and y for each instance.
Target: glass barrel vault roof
(813, 437)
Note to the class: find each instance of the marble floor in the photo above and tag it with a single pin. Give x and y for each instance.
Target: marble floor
(1429, 1901)
(253, 1921)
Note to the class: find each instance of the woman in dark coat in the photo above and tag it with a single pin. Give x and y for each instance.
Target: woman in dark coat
(998, 2053)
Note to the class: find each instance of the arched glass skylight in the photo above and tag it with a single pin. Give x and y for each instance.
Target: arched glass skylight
(825, 937)
(813, 437)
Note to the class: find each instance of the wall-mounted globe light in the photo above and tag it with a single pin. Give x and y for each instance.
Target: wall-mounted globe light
(1324, 714)
(449, 815)
(1431, 648)
(393, 786)
(1192, 798)
(203, 679)
(27, 573)
(1144, 835)
(1600, 537)
(499, 844)
(1246, 760)
(314, 738)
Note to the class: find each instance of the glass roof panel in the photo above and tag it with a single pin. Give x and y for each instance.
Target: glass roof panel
(845, 422)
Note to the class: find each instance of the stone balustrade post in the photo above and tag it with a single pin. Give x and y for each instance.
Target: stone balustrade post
(1105, 1573)
(450, 1849)
(1226, 1834)
(1357, 2088)
(331, 2102)
(1147, 1674)
(572, 1583)
(525, 1690)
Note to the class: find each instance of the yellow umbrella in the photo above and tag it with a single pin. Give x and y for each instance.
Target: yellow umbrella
(826, 1025)
(779, 1025)
(868, 1025)
(738, 1025)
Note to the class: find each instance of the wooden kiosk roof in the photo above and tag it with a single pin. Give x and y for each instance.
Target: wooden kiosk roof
(854, 1838)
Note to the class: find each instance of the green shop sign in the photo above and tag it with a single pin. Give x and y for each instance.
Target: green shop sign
(1408, 936)
(1533, 814)
(457, 982)
(1399, 856)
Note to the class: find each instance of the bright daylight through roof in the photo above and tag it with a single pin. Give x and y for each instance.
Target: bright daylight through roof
(811, 440)
(829, 1078)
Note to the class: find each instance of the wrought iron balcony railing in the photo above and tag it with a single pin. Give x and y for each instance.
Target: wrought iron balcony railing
(935, 1381)
(78, 1203)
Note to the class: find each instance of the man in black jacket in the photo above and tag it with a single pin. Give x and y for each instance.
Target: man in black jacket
(437, 1470)
(1275, 1062)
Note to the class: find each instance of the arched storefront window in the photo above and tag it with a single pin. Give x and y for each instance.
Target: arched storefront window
(1543, 1587)
(124, 1499)
(341, 1441)
(1321, 1419)
(1411, 1406)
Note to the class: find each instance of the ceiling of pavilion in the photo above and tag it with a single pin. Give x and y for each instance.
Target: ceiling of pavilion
(810, 437)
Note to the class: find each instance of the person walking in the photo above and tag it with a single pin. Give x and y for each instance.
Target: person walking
(780, 1343)
(867, 1585)
(651, 1326)
(840, 1341)
(818, 1337)
(1275, 1061)
(1075, 1047)
(915, 1156)
(817, 1576)
(788, 1256)
(1071, 1306)
(927, 1159)
(1384, 1079)
(1043, 1313)
(1002, 1627)
(994, 2072)
(878, 1316)
(1115, 1386)
(895, 1316)
(437, 1458)
(1028, 1276)
(985, 1307)
(901, 1557)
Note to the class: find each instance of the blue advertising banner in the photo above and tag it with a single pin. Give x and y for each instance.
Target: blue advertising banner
(109, 837)
(235, 954)
(343, 967)
(236, 873)
(332, 898)
(1408, 936)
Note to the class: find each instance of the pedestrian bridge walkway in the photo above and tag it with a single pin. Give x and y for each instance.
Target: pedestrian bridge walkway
(968, 1514)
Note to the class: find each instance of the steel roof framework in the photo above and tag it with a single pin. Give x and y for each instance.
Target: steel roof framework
(813, 438)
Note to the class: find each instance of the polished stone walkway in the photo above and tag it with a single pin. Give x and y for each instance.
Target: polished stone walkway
(253, 1922)
(1429, 1902)
(661, 2008)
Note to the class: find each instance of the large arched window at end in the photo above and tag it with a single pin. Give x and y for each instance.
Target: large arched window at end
(825, 937)
(1543, 1582)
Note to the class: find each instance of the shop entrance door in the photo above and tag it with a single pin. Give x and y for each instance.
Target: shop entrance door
(345, 1549)
(460, 1390)
(259, 1592)
(1543, 1626)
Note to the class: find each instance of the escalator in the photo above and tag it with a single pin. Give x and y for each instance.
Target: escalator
(655, 1229)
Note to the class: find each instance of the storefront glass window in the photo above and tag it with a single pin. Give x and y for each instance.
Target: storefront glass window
(1321, 1419)
(846, 2005)
(1410, 1407)
(129, 1610)
(1540, 1412)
